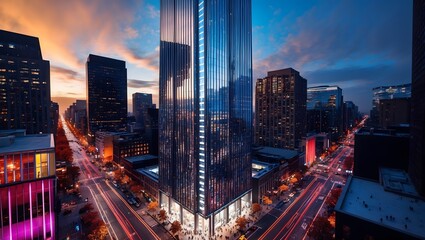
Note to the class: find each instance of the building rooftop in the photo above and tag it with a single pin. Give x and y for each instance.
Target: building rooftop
(141, 158)
(151, 172)
(28, 143)
(277, 152)
(259, 169)
(368, 200)
(382, 132)
(323, 88)
(397, 180)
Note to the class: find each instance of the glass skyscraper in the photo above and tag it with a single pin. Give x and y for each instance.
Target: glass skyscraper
(205, 128)
(24, 84)
(325, 110)
(106, 94)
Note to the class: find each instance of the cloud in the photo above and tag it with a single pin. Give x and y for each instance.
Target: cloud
(134, 83)
(70, 30)
(148, 61)
(347, 30)
(350, 43)
(131, 32)
(65, 73)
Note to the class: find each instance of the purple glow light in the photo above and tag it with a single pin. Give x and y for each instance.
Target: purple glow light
(37, 227)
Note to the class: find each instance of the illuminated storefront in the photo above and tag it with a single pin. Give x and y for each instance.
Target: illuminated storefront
(27, 186)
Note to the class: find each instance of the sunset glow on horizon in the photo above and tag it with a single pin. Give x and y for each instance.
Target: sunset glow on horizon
(330, 43)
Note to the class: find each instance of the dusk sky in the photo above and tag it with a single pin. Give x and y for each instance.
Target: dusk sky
(357, 44)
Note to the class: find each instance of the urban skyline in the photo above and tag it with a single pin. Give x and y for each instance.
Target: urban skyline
(304, 164)
(353, 58)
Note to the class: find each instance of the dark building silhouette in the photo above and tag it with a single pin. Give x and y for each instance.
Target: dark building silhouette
(205, 116)
(25, 84)
(417, 144)
(280, 109)
(151, 131)
(376, 148)
(141, 103)
(106, 94)
(392, 112)
(54, 116)
(386, 92)
(351, 115)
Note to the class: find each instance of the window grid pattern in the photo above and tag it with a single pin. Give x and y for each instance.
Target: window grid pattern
(206, 102)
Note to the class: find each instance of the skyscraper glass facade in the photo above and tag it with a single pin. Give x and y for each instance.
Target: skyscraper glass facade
(325, 110)
(106, 94)
(205, 110)
(24, 84)
(141, 103)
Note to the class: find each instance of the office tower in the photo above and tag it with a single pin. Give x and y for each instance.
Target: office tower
(25, 84)
(280, 109)
(325, 110)
(393, 112)
(106, 94)
(206, 111)
(141, 103)
(417, 143)
(54, 116)
(152, 130)
(79, 117)
(387, 92)
(376, 148)
(27, 185)
(129, 145)
(350, 114)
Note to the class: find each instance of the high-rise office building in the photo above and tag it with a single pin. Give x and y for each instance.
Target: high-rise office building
(24, 84)
(280, 109)
(417, 143)
(325, 110)
(206, 111)
(27, 185)
(141, 103)
(351, 115)
(393, 112)
(106, 94)
(383, 93)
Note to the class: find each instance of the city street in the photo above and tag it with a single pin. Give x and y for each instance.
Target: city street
(122, 220)
(294, 221)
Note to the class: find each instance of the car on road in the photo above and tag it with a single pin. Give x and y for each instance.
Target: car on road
(291, 195)
(286, 200)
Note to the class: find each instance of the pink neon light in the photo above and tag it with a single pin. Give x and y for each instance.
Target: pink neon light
(32, 227)
(52, 227)
(44, 207)
(10, 212)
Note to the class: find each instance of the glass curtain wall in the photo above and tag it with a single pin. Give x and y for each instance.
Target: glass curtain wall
(205, 103)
